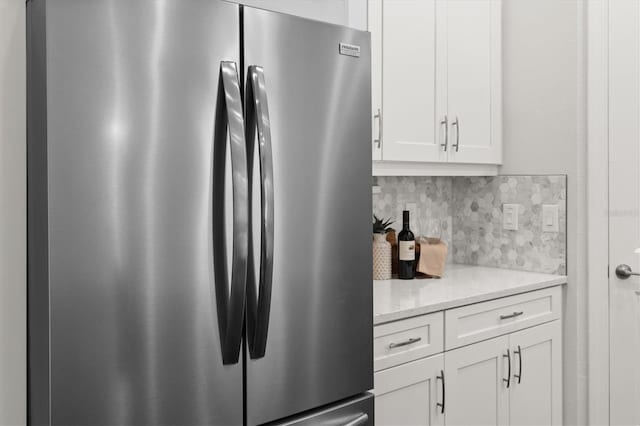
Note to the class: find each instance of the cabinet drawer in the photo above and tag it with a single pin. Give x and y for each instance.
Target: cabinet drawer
(485, 320)
(403, 341)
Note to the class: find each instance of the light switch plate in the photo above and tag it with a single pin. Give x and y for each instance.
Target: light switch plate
(510, 217)
(550, 218)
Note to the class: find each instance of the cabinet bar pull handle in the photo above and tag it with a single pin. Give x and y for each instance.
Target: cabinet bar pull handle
(508, 379)
(519, 375)
(378, 141)
(405, 343)
(445, 122)
(441, 405)
(457, 124)
(513, 315)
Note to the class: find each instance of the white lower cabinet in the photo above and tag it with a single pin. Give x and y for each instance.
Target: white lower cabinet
(511, 379)
(475, 390)
(536, 395)
(410, 394)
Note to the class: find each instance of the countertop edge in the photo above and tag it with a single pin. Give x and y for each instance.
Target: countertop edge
(468, 300)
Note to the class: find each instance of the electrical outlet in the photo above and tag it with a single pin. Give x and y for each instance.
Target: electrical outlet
(550, 218)
(510, 217)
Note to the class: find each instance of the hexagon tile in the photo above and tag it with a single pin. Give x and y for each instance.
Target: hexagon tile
(478, 237)
(431, 195)
(467, 213)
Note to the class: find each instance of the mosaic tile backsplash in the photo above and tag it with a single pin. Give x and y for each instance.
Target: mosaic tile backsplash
(432, 197)
(478, 237)
(467, 213)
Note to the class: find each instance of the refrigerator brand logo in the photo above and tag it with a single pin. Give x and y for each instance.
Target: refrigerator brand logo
(350, 50)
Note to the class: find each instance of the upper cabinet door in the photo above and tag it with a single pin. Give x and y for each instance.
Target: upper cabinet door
(375, 27)
(410, 115)
(437, 85)
(474, 80)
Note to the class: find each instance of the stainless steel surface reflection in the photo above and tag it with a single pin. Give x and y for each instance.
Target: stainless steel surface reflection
(319, 344)
(131, 91)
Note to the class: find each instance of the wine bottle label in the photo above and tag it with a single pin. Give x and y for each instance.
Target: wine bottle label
(407, 250)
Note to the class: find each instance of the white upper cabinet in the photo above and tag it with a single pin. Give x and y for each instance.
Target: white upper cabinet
(409, 75)
(474, 83)
(437, 85)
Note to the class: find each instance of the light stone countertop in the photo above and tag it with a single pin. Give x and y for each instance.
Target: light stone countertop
(462, 285)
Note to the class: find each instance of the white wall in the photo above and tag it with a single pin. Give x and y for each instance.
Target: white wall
(544, 133)
(12, 213)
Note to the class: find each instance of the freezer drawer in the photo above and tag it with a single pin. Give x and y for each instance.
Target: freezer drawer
(353, 412)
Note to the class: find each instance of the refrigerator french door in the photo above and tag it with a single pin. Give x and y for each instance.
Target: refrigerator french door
(199, 198)
(321, 314)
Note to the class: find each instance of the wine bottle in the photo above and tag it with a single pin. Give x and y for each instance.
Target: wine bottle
(406, 250)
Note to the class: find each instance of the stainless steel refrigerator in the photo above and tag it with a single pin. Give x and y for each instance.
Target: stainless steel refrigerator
(199, 198)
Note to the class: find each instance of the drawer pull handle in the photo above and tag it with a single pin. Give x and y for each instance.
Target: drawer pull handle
(405, 343)
(513, 315)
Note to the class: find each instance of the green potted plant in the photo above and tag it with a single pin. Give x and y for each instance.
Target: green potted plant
(381, 248)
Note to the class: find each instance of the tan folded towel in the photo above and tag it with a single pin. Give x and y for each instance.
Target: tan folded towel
(433, 257)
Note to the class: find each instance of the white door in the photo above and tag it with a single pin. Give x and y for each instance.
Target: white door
(476, 383)
(473, 33)
(624, 208)
(411, 129)
(410, 394)
(374, 25)
(536, 391)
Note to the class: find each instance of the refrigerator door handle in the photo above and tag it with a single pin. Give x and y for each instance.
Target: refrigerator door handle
(259, 296)
(230, 299)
